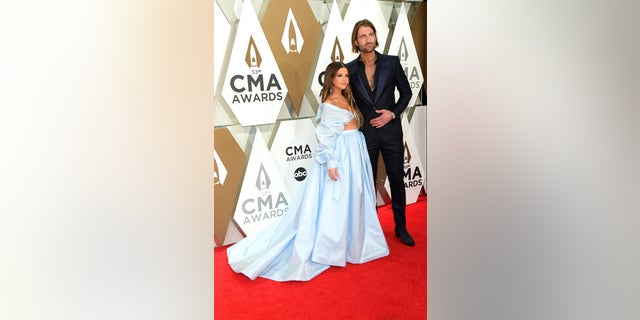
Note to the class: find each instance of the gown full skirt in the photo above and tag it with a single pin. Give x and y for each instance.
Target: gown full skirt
(329, 223)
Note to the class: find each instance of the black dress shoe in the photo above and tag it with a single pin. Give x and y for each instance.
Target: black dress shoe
(405, 237)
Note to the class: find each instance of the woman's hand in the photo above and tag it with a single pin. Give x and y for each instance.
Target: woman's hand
(333, 174)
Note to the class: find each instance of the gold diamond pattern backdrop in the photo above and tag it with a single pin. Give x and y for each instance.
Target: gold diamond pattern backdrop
(267, 60)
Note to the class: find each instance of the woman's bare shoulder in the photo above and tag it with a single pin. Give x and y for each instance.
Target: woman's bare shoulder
(339, 102)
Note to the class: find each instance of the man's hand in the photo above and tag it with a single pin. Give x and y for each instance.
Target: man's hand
(384, 118)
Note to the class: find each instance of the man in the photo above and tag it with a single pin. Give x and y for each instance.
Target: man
(374, 78)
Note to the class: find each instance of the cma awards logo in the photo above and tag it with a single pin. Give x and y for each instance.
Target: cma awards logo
(219, 170)
(412, 176)
(265, 205)
(252, 57)
(292, 40)
(295, 153)
(412, 75)
(336, 55)
(403, 53)
(253, 86)
(256, 86)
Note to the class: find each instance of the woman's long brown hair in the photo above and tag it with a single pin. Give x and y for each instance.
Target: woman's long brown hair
(330, 73)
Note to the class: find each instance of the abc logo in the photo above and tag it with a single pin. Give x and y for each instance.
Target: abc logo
(300, 174)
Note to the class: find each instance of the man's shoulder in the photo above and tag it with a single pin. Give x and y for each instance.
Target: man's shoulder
(352, 63)
(386, 57)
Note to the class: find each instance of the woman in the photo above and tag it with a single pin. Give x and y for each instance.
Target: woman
(333, 218)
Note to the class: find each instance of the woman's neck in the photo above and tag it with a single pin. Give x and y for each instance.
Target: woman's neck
(334, 95)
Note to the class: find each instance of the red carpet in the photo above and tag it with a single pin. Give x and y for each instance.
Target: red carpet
(393, 287)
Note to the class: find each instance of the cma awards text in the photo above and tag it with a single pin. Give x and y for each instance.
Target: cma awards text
(256, 83)
(298, 152)
(263, 208)
(412, 179)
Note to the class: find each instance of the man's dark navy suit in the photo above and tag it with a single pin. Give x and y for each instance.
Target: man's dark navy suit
(389, 75)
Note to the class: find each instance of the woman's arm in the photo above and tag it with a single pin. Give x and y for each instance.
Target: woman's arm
(331, 125)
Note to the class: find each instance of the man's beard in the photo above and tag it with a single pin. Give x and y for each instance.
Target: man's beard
(364, 49)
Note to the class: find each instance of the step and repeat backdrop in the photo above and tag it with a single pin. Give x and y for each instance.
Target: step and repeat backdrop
(269, 58)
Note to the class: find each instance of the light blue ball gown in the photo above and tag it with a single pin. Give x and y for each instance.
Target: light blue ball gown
(329, 223)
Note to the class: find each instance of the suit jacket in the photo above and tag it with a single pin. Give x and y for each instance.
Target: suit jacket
(389, 76)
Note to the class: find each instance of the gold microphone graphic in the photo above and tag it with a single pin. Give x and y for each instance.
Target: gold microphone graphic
(293, 43)
(336, 53)
(253, 58)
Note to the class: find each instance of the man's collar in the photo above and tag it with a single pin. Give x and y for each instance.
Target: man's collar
(359, 59)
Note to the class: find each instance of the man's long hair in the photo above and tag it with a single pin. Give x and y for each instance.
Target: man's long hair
(354, 33)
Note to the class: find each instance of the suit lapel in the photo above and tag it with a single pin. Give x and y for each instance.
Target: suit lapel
(363, 86)
(382, 74)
